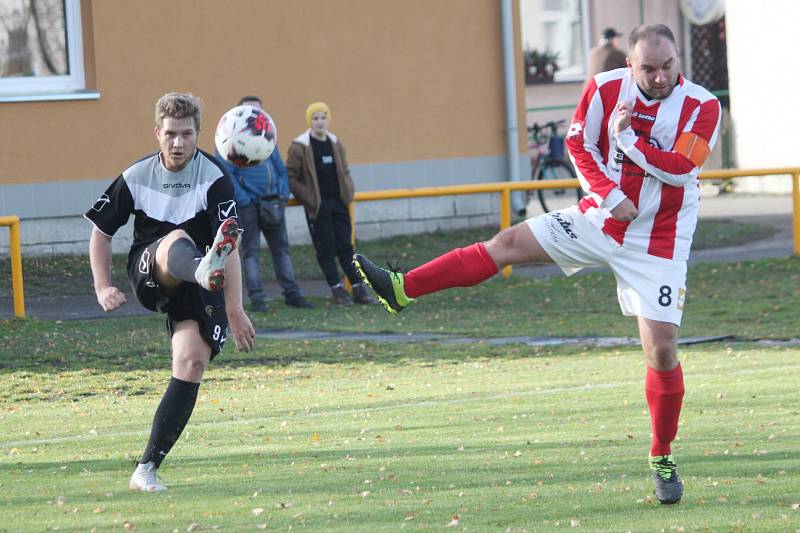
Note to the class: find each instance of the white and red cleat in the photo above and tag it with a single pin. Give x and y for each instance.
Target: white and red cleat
(210, 273)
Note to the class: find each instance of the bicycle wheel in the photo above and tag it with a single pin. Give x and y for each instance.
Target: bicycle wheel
(557, 199)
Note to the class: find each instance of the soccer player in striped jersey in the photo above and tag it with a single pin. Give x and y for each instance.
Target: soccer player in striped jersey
(182, 202)
(638, 139)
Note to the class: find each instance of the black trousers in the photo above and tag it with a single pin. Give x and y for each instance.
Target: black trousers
(330, 233)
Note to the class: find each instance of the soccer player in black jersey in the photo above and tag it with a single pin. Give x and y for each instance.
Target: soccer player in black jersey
(183, 254)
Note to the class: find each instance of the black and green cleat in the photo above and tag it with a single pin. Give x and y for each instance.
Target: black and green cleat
(669, 487)
(387, 284)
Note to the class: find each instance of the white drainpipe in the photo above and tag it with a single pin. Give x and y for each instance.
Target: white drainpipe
(510, 77)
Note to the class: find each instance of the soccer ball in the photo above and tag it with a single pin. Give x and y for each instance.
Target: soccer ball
(245, 136)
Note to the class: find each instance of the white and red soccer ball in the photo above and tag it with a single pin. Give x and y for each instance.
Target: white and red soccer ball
(246, 136)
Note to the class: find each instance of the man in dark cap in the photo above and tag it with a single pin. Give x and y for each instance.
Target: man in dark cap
(606, 56)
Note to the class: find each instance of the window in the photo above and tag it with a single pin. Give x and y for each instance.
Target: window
(41, 48)
(556, 29)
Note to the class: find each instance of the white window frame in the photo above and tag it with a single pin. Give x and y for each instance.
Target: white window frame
(69, 86)
(585, 35)
(560, 76)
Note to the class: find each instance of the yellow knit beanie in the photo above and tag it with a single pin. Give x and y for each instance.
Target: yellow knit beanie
(317, 106)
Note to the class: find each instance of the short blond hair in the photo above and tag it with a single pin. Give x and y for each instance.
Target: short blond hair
(178, 105)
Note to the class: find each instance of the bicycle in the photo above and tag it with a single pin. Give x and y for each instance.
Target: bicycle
(549, 164)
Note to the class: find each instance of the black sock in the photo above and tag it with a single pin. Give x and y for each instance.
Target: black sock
(171, 417)
(181, 261)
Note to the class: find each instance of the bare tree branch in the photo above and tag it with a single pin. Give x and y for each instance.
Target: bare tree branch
(48, 61)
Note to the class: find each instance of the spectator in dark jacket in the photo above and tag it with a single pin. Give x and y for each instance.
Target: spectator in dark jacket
(320, 180)
(606, 55)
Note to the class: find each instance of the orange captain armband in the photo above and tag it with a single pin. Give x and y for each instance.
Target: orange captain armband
(693, 147)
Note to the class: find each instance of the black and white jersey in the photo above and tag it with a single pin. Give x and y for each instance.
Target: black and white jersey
(196, 199)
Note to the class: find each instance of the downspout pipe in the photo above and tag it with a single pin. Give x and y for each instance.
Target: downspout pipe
(512, 126)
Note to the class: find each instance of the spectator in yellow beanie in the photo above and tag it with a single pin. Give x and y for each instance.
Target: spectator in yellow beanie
(318, 106)
(319, 178)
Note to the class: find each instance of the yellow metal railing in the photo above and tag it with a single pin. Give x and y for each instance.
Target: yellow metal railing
(506, 187)
(16, 264)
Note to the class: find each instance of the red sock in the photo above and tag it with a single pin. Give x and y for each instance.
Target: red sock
(664, 393)
(462, 267)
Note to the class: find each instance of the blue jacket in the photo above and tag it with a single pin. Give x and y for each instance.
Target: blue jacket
(250, 183)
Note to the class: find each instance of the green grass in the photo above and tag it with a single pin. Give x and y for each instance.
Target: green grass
(746, 299)
(360, 436)
(45, 275)
(346, 436)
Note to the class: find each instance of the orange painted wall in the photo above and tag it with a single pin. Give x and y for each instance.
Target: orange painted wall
(406, 80)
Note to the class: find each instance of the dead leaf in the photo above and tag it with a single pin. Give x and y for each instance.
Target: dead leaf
(128, 526)
(574, 523)
(257, 511)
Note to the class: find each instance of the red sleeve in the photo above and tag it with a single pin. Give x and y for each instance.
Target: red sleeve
(587, 137)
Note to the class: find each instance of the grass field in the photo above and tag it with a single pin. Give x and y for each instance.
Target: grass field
(357, 436)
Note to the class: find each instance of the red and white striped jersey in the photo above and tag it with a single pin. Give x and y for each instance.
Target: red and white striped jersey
(654, 163)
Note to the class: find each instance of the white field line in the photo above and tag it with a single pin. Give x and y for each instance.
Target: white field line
(400, 405)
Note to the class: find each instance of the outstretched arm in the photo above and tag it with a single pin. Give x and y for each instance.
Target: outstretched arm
(108, 296)
(241, 327)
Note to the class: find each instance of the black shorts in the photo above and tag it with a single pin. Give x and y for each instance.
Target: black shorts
(190, 302)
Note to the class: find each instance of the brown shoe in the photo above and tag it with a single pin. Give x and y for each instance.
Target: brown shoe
(361, 295)
(341, 296)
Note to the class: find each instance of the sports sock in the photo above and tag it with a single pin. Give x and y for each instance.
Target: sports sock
(171, 417)
(181, 260)
(461, 267)
(664, 393)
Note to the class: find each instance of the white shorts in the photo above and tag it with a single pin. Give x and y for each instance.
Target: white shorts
(648, 286)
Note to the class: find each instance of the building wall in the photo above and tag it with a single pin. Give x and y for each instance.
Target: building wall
(415, 88)
(762, 78)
